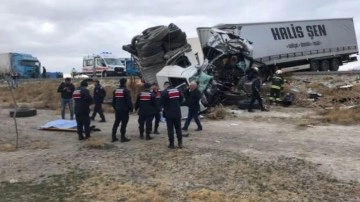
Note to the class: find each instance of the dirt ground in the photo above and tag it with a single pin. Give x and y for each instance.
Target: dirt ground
(262, 156)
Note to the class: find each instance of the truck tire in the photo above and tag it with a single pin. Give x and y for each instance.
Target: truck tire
(174, 33)
(174, 45)
(135, 40)
(314, 65)
(104, 74)
(334, 65)
(150, 29)
(244, 104)
(151, 48)
(158, 34)
(324, 66)
(23, 112)
(152, 60)
(130, 49)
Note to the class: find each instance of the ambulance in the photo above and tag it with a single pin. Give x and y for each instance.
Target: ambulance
(104, 64)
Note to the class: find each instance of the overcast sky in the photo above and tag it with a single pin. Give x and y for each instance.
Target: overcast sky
(60, 32)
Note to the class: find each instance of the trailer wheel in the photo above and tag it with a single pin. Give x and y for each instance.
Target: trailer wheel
(334, 66)
(314, 65)
(325, 65)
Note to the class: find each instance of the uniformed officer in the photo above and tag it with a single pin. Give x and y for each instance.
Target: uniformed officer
(83, 100)
(157, 93)
(123, 106)
(255, 90)
(99, 95)
(146, 105)
(171, 98)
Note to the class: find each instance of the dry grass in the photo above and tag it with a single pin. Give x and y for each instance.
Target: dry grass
(330, 96)
(301, 100)
(39, 145)
(217, 113)
(207, 195)
(44, 95)
(339, 115)
(94, 143)
(105, 188)
(7, 148)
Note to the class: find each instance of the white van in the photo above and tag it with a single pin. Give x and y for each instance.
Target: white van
(103, 64)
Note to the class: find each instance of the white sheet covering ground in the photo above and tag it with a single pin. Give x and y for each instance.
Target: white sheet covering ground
(61, 124)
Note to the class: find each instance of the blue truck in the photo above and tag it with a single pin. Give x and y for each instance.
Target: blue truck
(130, 65)
(25, 65)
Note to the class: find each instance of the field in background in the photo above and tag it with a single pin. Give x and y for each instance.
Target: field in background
(333, 105)
(44, 95)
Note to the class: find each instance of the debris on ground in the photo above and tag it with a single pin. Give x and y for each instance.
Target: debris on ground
(337, 115)
(217, 113)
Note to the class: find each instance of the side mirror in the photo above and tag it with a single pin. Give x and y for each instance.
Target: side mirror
(103, 64)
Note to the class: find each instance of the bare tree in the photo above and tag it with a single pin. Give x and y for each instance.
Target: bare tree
(8, 79)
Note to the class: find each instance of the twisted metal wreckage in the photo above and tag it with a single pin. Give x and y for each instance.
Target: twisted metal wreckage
(163, 54)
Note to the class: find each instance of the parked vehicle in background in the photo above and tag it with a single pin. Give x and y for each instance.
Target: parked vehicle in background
(26, 65)
(54, 75)
(130, 65)
(103, 64)
(315, 45)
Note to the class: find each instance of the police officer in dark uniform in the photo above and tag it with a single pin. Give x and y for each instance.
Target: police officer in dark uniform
(171, 98)
(83, 100)
(146, 104)
(123, 106)
(255, 90)
(157, 93)
(99, 95)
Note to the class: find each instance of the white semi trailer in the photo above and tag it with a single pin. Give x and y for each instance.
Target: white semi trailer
(316, 45)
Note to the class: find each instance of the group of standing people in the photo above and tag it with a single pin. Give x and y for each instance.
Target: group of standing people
(149, 104)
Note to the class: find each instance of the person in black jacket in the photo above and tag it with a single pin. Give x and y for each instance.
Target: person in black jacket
(255, 90)
(146, 105)
(44, 73)
(171, 99)
(192, 97)
(122, 105)
(83, 100)
(66, 89)
(157, 93)
(99, 95)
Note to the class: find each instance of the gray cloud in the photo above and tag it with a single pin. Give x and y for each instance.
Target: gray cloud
(60, 32)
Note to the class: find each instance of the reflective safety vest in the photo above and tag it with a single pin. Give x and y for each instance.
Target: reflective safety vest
(277, 82)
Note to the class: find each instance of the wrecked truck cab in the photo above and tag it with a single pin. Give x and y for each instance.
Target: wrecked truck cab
(227, 57)
(181, 72)
(163, 54)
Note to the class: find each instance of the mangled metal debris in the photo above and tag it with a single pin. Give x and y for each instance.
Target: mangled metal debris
(163, 54)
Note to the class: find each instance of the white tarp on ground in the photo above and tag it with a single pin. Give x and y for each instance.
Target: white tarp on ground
(60, 124)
